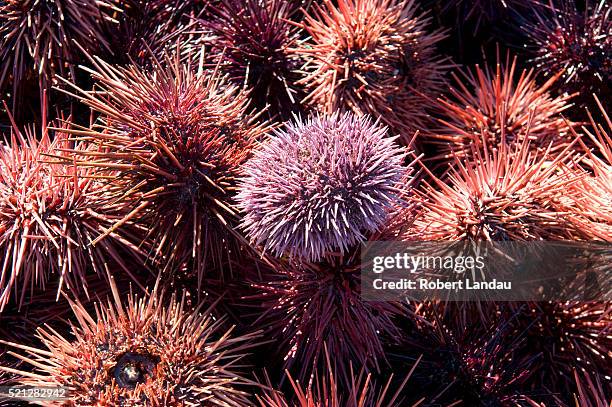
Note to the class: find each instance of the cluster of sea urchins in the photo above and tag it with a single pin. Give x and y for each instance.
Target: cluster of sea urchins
(187, 189)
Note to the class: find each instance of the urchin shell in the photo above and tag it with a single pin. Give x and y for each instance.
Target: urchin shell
(320, 185)
(152, 350)
(147, 29)
(468, 358)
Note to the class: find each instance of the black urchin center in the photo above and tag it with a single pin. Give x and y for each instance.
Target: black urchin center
(478, 221)
(362, 63)
(462, 371)
(336, 275)
(134, 368)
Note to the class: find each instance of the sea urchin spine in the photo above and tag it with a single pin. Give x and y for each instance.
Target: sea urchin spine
(148, 352)
(320, 185)
(373, 57)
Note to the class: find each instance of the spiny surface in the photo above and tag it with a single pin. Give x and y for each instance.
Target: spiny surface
(148, 352)
(487, 105)
(311, 307)
(509, 194)
(252, 41)
(373, 57)
(578, 44)
(51, 209)
(320, 185)
(41, 36)
(326, 391)
(177, 135)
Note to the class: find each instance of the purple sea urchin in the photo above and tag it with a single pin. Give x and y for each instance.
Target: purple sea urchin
(321, 185)
(148, 352)
(251, 40)
(492, 105)
(373, 57)
(577, 44)
(51, 209)
(177, 134)
(40, 35)
(311, 307)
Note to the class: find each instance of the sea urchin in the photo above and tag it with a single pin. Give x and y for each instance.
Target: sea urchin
(177, 134)
(311, 307)
(578, 44)
(148, 352)
(489, 105)
(51, 208)
(252, 39)
(507, 194)
(320, 185)
(373, 57)
(40, 35)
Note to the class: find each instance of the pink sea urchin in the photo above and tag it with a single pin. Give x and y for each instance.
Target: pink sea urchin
(508, 194)
(320, 185)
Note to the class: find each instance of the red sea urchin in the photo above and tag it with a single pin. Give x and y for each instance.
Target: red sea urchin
(507, 194)
(40, 35)
(177, 135)
(311, 307)
(148, 25)
(148, 352)
(373, 57)
(591, 210)
(51, 208)
(319, 186)
(494, 104)
(578, 44)
(251, 41)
